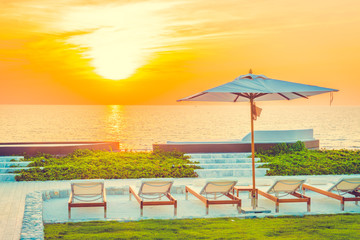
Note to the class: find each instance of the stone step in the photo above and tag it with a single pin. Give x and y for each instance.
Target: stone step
(9, 177)
(10, 158)
(12, 169)
(228, 165)
(223, 160)
(17, 164)
(220, 173)
(10, 164)
(218, 155)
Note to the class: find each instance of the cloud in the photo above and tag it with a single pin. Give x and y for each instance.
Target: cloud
(119, 37)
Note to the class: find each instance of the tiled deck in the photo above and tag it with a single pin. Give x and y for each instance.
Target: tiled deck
(12, 203)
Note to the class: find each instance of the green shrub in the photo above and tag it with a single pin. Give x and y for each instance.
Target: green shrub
(282, 148)
(88, 164)
(310, 162)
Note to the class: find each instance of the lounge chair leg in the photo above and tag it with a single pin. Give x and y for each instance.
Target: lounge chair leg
(342, 204)
(356, 202)
(105, 211)
(239, 207)
(308, 205)
(277, 207)
(69, 212)
(207, 207)
(186, 195)
(175, 208)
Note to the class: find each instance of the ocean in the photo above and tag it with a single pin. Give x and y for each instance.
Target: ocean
(138, 127)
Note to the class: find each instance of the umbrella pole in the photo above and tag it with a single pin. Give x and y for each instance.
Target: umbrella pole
(253, 192)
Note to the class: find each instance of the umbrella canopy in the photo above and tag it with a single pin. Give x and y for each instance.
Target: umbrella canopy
(260, 87)
(251, 87)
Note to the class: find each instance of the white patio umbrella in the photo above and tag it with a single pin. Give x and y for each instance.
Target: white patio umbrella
(251, 88)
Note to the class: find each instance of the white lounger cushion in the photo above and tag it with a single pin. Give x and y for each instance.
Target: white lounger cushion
(346, 185)
(218, 186)
(87, 190)
(152, 187)
(285, 186)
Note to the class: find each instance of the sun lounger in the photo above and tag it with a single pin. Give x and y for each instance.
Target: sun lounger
(350, 186)
(87, 193)
(286, 187)
(151, 190)
(213, 190)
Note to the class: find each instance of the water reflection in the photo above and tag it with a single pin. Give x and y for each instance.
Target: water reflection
(115, 123)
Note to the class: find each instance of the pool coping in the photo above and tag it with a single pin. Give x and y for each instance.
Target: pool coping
(33, 223)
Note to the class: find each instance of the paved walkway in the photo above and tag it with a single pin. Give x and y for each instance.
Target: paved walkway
(12, 198)
(12, 204)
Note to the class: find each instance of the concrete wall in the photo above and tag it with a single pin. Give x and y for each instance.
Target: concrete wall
(55, 148)
(224, 147)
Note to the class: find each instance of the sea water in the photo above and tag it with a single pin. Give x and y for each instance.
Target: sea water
(138, 127)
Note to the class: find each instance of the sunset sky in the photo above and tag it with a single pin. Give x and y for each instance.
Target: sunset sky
(155, 52)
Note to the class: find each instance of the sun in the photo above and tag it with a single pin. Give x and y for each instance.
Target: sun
(116, 55)
(118, 40)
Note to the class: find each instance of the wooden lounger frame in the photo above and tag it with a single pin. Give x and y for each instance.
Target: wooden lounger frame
(172, 201)
(299, 198)
(342, 199)
(207, 202)
(71, 204)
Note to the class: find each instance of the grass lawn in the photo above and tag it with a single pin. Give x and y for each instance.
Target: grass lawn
(345, 226)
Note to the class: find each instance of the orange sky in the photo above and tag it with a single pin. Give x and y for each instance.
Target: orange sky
(155, 52)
